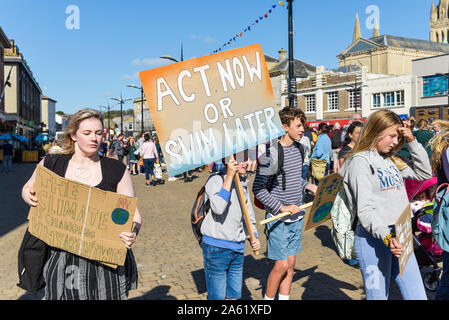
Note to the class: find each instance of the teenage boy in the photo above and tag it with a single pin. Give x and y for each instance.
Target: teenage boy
(283, 192)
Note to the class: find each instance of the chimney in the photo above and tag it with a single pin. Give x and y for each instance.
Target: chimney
(282, 54)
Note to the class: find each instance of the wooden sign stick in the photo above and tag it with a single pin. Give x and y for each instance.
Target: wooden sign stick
(238, 186)
(284, 214)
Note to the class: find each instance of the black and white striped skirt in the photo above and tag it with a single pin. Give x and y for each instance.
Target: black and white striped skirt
(71, 277)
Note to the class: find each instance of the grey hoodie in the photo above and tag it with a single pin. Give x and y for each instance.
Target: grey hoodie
(379, 197)
(225, 219)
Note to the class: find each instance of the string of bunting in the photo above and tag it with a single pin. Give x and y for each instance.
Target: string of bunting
(248, 28)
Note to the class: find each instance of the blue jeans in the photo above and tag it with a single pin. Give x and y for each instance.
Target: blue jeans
(7, 163)
(223, 269)
(378, 266)
(149, 165)
(305, 170)
(443, 288)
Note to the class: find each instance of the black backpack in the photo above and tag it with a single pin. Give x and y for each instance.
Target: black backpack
(201, 207)
(33, 254)
(280, 170)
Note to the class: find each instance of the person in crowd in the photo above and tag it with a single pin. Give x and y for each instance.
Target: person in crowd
(56, 147)
(323, 146)
(149, 154)
(352, 136)
(119, 147)
(159, 150)
(373, 183)
(224, 233)
(307, 146)
(440, 165)
(133, 159)
(308, 134)
(412, 124)
(8, 155)
(336, 145)
(283, 193)
(438, 126)
(423, 135)
(81, 162)
(355, 117)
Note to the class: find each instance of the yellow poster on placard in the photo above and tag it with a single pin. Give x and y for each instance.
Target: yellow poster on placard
(211, 107)
(80, 219)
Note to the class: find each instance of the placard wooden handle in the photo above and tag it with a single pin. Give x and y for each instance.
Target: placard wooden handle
(238, 186)
(284, 214)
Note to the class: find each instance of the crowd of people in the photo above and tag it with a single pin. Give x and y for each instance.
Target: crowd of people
(374, 157)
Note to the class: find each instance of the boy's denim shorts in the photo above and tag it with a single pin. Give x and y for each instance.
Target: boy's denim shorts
(284, 238)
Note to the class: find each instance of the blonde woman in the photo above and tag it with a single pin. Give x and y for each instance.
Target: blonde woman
(439, 126)
(81, 162)
(376, 192)
(440, 165)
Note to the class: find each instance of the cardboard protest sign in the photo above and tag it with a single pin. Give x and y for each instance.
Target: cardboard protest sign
(80, 219)
(207, 108)
(403, 229)
(324, 200)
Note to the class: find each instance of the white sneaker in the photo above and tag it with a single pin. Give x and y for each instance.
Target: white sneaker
(172, 179)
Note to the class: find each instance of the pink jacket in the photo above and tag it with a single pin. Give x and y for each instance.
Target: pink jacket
(148, 150)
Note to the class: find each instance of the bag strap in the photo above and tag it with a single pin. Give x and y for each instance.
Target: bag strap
(438, 189)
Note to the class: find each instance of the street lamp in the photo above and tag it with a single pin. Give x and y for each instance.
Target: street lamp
(121, 101)
(173, 59)
(291, 75)
(141, 103)
(108, 107)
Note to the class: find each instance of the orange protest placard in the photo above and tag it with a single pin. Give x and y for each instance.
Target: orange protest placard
(211, 107)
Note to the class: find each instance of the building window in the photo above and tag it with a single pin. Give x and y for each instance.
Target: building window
(435, 85)
(332, 100)
(400, 98)
(354, 99)
(310, 103)
(388, 99)
(376, 100)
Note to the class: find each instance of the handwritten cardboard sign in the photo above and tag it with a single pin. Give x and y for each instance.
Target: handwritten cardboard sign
(211, 107)
(80, 219)
(324, 200)
(403, 229)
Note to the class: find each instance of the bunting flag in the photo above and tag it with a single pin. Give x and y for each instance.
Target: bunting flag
(248, 28)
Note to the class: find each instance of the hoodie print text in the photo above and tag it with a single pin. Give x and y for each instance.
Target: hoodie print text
(389, 178)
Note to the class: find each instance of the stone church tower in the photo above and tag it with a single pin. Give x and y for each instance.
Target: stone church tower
(439, 22)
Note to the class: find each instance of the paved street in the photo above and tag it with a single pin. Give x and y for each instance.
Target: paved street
(168, 257)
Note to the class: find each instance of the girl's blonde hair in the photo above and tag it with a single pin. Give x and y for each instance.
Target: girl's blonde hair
(442, 123)
(73, 126)
(373, 129)
(438, 144)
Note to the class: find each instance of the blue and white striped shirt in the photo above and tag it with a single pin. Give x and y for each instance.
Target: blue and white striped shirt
(294, 184)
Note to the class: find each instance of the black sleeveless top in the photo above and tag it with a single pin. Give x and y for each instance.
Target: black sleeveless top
(96, 281)
(111, 170)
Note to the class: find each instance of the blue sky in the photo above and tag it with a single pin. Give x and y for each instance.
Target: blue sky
(85, 67)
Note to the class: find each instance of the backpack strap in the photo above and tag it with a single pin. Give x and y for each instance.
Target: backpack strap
(438, 189)
(281, 164)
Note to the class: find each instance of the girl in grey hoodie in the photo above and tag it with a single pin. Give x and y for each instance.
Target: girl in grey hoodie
(373, 182)
(224, 234)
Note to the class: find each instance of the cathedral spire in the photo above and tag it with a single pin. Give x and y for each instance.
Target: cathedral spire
(376, 29)
(357, 33)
